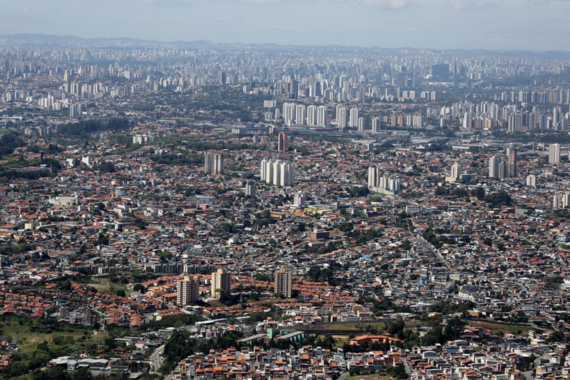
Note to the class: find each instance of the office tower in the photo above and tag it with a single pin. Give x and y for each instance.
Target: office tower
(353, 122)
(531, 180)
(440, 72)
(223, 78)
(283, 282)
(187, 291)
(402, 80)
(555, 117)
(250, 189)
(300, 114)
(554, 154)
(494, 163)
(341, 117)
(322, 116)
(361, 93)
(455, 173)
(220, 283)
(376, 124)
(312, 116)
(214, 162)
(282, 142)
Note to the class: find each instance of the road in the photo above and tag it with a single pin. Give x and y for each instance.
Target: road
(156, 359)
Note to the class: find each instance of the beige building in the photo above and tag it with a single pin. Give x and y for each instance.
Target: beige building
(220, 283)
(187, 291)
(283, 282)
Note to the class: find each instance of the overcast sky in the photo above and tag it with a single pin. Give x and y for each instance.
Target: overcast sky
(440, 24)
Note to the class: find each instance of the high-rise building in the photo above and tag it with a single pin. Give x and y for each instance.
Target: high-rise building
(376, 125)
(289, 113)
(220, 283)
(554, 154)
(322, 116)
(513, 169)
(312, 116)
(382, 184)
(277, 172)
(250, 189)
(341, 117)
(440, 72)
(494, 163)
(283, 282)
(214, 162)
(75, 110)
(282, 142)
(187, 291)
(353, 122)
(455, 173)
(300, 114)
(360, 124)
(531, 180)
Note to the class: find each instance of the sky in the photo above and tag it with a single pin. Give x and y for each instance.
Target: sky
(433, 24)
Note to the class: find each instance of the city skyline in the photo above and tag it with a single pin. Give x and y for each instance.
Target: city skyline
(451, 24)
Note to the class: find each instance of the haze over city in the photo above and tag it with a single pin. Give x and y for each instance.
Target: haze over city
(440, 24)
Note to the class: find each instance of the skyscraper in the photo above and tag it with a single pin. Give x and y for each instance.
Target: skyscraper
(282, 142)
(214, 162)
(187, 291)
(283, 282)
(554, 154)
(220, 283)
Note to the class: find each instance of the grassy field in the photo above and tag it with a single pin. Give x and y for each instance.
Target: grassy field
(70, 336)
(373, 376)
(507, 329)
(104, 284)
(346, 326)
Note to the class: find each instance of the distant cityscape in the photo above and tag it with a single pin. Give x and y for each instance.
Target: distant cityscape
(214, 211)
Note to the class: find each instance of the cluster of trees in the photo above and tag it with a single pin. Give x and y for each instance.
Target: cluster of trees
(8, 143)
(83, 129)
(14, 249)
(174, 159)
(436, 240)
(498, 199)
(363, 237)
(318, 274)
(357, 191)
(446, 307)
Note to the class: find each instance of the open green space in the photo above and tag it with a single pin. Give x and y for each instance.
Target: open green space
(105, 285)
(31, 332)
